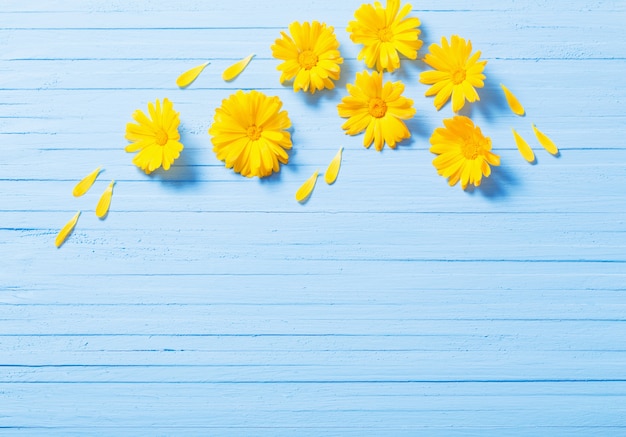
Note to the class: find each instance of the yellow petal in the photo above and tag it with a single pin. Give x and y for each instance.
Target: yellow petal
(545, 141)
(514, 104)
(102, 209)
(523, 147)
(330, 176)
(66, 231)
(235, 70)
(186, 79)
(83, 186)
(306, 189)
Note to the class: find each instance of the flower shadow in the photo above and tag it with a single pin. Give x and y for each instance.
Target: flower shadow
(183, 173)
(419, 127)
(492, 103)
(314, 100)
(496, 186)
(292, 165)
(349, 68)
(276, 177)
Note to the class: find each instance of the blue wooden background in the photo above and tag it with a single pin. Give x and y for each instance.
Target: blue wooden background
(389, 304)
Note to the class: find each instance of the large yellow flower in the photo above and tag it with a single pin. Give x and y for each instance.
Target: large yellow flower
(156, 138)
(464, 152)
(249, 133)
(311, 55)
(456, 72)
(384, 31)
(376, 109)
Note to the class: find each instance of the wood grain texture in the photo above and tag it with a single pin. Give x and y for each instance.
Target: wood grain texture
(388, 304)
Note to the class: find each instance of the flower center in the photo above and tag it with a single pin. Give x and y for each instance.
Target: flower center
(161, 138)
(307, 59)
(377, 107)
(458, 76)
(254, 133)
(472, 147)
(385, 34)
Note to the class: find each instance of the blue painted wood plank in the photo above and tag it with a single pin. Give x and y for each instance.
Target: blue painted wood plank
(389, 304)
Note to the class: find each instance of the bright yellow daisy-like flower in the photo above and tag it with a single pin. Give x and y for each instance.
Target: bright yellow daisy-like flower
(457, 73)
(311, 56)
(464, 152)
(376, 109)
(384, 31)
(249, 133)
(156, 138)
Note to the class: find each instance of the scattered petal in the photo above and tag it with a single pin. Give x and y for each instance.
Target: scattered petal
(330, 176)
(545, 141)
(102, 209)
(523, 147)
(66, 230)
(306, 189)
(83, 186)
(514, 104)
(187, 78)
(235, 70)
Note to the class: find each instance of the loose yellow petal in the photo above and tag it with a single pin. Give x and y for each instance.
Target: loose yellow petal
(102, 209)
(66, 231)
(514, 104)
(235, 70)
(83, 186)
(306, 189)
(523, 147)
(330, 176)
(187, 78)
(545, 141)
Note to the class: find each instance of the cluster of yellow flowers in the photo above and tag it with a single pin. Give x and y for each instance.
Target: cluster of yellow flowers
(250, 131)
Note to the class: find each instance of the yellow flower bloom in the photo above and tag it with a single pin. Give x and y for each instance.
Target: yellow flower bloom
(464, 153)
(311, 55)
(456, 72)
(376, 109)
(249, 133)
(156, 138)
(384, 31)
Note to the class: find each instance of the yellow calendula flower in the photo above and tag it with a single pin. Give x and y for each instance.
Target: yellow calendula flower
(457, 72)
(249, 133)
(311, 56)
(376, 109)
(156, 138)
(385, 31)
(464, 152)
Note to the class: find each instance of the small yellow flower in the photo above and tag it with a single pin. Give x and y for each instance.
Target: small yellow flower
(311, 55)
(384, 31)
(376, 109)
(156, 138)
(464, 152)
(457, 72)
(249, 133)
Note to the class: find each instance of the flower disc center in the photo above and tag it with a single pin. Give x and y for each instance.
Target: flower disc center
(377, 107)
(254, 133)
(161, 138)
(458, 76)
(471, 148)
(307, 59)
(385, 34)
